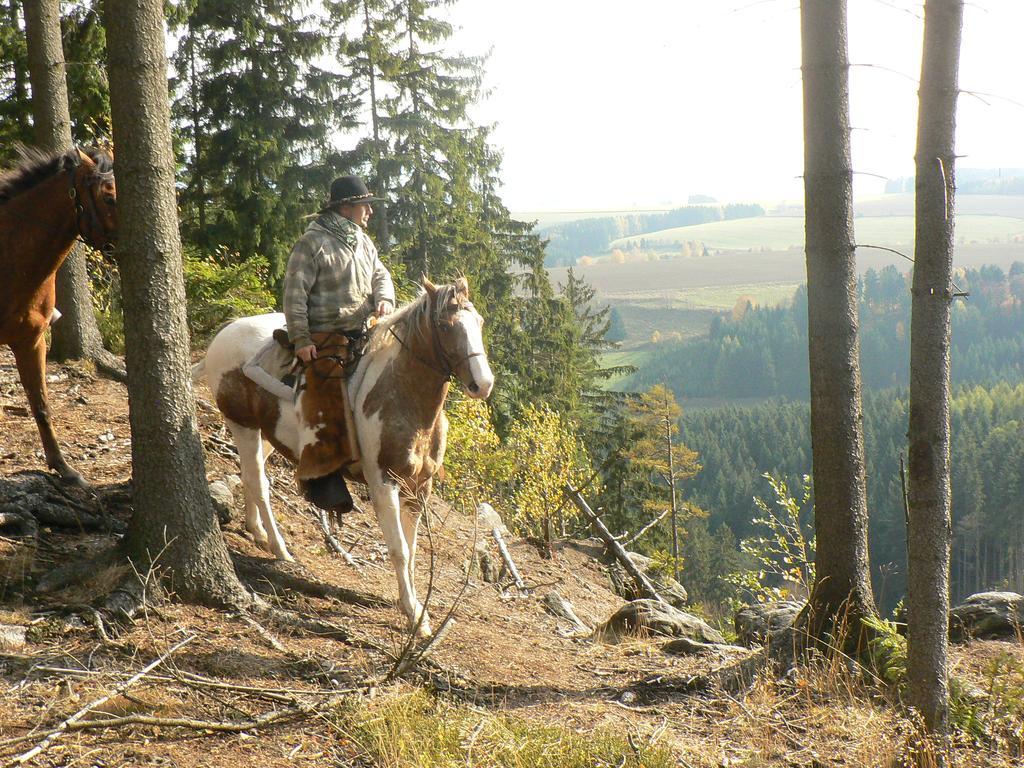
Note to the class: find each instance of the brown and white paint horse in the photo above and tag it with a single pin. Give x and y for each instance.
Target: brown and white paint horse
(397, 394)
(47, 203)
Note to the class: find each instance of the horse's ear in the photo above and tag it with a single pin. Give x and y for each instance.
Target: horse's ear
(428, 286)
(462, 287)
(71, 159)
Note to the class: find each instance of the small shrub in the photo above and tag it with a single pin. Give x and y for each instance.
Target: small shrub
(219, 288)
(783, 553)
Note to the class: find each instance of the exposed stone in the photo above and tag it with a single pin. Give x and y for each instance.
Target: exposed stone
(753, 623)
(558, 606)
(487, 566)
(649, 617)
(223, 500)
(987, 615)
(670, 590)
(684, 646)
(12, 636)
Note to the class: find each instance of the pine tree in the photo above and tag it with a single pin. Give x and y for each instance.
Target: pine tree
(662, 459)
(15, 109)
(255, 113)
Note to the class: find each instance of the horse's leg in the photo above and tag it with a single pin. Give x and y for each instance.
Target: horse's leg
(412, 511)
(387, 504)
(259, 517)
(31, 360)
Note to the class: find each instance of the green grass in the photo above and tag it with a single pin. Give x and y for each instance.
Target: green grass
(780, 233)
(413, 730)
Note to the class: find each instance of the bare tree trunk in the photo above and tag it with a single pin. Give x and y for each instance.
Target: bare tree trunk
(929, 490)
(842, 589)
(173, 526)
(76, 336)
(383, 238)
(672, 485)
(20, 88)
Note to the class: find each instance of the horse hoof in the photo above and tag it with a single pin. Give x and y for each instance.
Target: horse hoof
(69, 476)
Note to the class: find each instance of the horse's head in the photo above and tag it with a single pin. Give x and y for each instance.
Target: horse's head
(459, 334)
(93, 192)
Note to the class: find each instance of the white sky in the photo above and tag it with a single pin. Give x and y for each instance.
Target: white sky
(601, 104)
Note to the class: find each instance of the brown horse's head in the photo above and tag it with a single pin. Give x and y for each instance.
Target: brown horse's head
(458, 330)
(92, 190)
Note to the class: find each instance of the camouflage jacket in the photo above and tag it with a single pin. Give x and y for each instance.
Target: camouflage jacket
(334, 280)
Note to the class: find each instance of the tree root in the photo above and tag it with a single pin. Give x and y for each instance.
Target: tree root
(18, 524)
(110, 365)
(261, 574)
(76, 573)
(51, 502)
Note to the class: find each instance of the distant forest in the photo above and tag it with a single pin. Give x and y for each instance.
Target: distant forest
(737, 444)
(762, 351)
(973, 181)
(589, 237)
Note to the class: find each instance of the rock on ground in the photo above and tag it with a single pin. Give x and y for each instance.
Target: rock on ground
(753, 623)
(987, 615)
(649, 617)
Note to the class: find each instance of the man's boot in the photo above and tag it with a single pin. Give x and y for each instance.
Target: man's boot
(329, 493)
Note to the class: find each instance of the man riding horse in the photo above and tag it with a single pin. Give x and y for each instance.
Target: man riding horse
(334, 282)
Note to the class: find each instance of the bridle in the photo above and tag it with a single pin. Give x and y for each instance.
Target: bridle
(448, 369)
(88, 213)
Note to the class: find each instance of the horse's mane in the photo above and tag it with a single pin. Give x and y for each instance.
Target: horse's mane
(410, 315)
(34, 166)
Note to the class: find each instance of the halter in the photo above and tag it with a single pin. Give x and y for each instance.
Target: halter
(449, 370)
(96, 177)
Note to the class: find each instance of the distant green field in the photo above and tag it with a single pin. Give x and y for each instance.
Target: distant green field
(780, 233)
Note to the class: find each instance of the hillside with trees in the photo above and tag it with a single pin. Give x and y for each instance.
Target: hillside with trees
(761, 351)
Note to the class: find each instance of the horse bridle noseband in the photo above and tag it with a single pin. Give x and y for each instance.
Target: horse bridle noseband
(98, 177)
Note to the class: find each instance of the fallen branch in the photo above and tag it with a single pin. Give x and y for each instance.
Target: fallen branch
(493, 521)
(68, 724)
(643, 584)
(645, 529)
(262, 632)
(332, 541)
(222, 726)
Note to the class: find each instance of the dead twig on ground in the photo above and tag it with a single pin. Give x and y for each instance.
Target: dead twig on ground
(262, 632)
(69, 723)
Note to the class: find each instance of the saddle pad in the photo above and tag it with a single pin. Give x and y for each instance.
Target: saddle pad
(268, 366)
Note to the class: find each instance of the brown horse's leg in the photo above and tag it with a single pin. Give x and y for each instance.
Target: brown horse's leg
(31, 359)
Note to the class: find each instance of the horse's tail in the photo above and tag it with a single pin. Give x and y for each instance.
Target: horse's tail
(199, 371)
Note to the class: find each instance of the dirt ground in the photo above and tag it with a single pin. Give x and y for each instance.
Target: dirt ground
(504, 653)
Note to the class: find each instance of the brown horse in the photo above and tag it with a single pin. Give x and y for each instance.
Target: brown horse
(397, 394)
(46, 203)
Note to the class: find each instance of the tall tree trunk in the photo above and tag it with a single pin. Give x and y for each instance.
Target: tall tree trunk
(672, 486)
(173, 526)
(20, 88)
(381, 220)
(842, 589)
(76, 336)
(929, 532)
